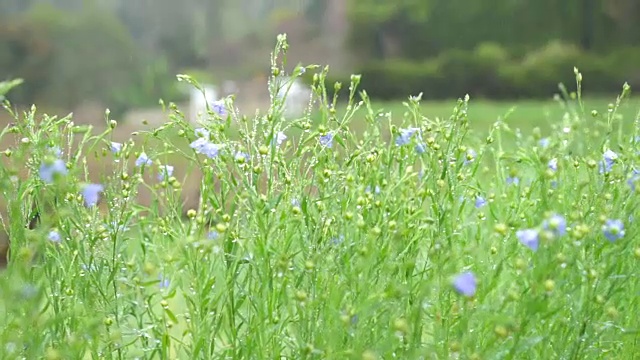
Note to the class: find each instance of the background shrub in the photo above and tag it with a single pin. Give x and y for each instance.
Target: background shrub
(489, 71)
(22, 39)
(87, 56)
(93, 57)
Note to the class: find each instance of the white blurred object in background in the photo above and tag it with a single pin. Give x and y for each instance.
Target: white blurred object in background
(198, 102)
(297, 98)
(229, 87)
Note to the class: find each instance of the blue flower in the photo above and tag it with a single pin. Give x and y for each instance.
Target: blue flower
(337, 240)
(206, 148)
(114, 227)
(198, 144)
(50, 170)
(553, 164)
(405, 136)
(610, 156)
(91, 194)
(55, 151)
(633, 179)
(368, 189)
(213, 235)
(28, 291)
(556, 224)
(242, 157)
(202, 145)
(480, 202)
(327, 140)
(202, 133)
(116, 147)
(544, 142)
(420, 148)
(529, 238)
(613, 230)
(54, 236)
(166, 171)
(143, 159)
(211, 150)
(465, 284)
(513, 180)
(91, 267)
(470, 156)
(219, 107)
(280, 138)
(164, 282)
(608, 159)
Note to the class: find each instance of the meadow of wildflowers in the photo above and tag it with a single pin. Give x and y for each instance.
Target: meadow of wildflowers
(409, 238)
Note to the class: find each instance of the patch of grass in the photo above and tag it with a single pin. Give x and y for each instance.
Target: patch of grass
(429, 232)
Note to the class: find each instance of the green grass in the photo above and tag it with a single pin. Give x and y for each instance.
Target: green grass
(306, 251)
(525, 114)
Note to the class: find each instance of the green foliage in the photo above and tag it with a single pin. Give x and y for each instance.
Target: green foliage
(151, 83)
(489, 71)
(381, 11)
(66, 58)
(372, 19)
(335, 85)
(6, 86)
(26, 52)
(426, 28)
(93, 58)
(314, 241)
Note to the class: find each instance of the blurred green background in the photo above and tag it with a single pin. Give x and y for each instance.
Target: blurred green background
(124, 54)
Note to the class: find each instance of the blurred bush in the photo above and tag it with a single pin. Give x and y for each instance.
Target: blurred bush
(67, 59)
(25, 52)
(152, 82)
(490, 71)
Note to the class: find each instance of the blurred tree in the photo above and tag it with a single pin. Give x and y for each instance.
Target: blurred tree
(419, 29)
(379, 24)
(25, 52)
(10, 7)
(179, 30)
(588, 24)
(92, 55)
(212, 30)
(626, 14)
(315, 11)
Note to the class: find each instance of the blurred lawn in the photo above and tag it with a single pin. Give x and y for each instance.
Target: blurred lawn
(482, 114)
(523, 114)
